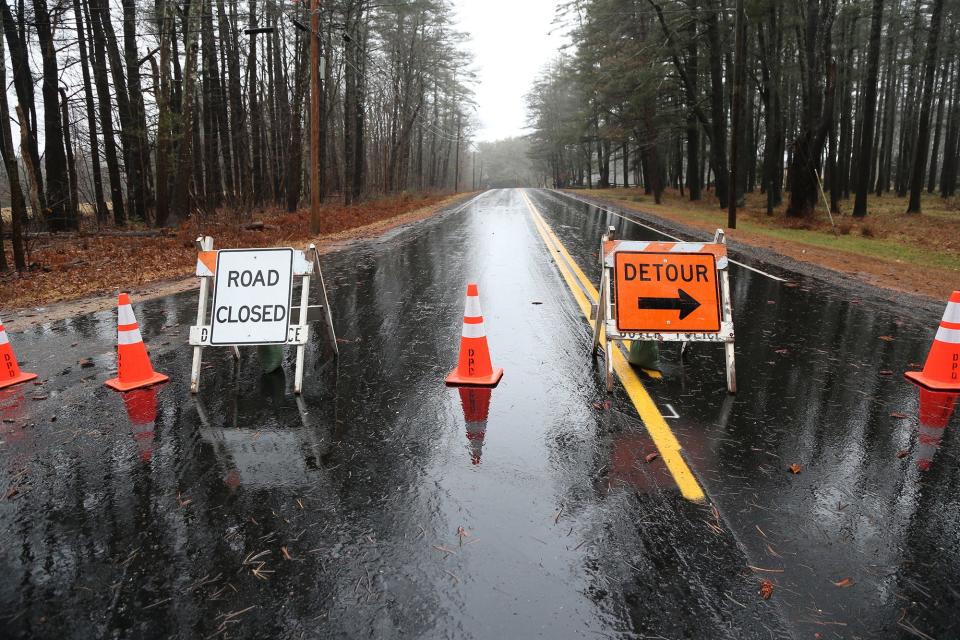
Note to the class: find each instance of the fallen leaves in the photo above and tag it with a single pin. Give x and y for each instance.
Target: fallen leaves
(651, 457)
(887, 338)
(794, 468)
(900, 415)
(766, 589)
(845, 582)
(70, 267)
(903, 453)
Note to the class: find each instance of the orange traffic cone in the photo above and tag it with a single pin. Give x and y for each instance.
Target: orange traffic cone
(476, 408)
(474, 367)
(941, 372)
(10, 373)
(133, 364)
(141, 407)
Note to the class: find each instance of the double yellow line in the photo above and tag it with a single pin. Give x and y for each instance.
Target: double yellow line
(663, 438)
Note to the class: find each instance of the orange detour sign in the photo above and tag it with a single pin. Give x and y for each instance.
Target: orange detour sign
(474, 368)
(10, 373)
(667, 291)
(664, 292)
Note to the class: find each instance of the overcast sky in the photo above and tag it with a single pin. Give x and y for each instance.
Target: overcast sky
(511, 40)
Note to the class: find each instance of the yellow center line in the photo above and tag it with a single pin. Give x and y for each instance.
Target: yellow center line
(663, 438)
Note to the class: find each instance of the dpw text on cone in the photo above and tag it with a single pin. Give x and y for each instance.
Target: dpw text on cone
(474, 367)
(10, 373)
(941, 372)
(133, 364)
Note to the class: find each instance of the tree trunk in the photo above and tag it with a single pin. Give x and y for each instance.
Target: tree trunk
(181, 186)
(128, 125)
(818, 89)
(923, 137)
(59, 214)
(942, 95)
(718, 141)
(23, 83)
(908, 125)
(106, 116)
(71, 164)
(213, 108)
(18, 207)
(256, 116)
(138, 118)
(865, 161)
(101, 206)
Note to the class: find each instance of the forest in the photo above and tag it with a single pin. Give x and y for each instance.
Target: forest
(121, 113)
(806, 101)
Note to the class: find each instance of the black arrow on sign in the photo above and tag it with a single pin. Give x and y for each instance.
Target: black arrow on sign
(685, 304)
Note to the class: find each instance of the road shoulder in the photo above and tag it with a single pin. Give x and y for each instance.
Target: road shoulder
(848, 277)
(19, 319)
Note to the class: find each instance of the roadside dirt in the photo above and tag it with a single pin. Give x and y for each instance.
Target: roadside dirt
(150, 268)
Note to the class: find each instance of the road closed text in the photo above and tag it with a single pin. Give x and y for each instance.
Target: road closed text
(251, 313)
(251, 303)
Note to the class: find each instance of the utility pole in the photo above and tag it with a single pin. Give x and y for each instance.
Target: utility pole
(739, 80)
(474, 167)
(315, 116)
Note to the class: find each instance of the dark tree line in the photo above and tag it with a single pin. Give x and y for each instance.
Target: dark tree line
(839, 98)
(153, 112)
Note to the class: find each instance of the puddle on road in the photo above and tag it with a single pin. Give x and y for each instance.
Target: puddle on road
(821, 386)
(380, 503)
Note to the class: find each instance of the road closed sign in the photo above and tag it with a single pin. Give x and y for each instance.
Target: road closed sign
(667, 291)
(251, 297)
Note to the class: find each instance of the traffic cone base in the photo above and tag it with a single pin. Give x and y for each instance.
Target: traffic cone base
(473, 367)
(156, 378)
(456, 379)
(10, 373)
(134, 370)
(23, 377)
(941, 371)
(928, 383)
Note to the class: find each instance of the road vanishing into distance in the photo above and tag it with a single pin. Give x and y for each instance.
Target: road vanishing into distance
(382, 504)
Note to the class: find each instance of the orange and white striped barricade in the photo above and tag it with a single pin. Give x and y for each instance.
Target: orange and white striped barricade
(246, 299)
(664, 292)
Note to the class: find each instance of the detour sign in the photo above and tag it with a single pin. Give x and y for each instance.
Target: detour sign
(667, 291)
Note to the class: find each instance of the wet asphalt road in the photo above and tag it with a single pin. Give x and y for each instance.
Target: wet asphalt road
(376, 506)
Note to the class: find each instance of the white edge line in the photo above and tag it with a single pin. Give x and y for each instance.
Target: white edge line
(654, 229)
(471, 200)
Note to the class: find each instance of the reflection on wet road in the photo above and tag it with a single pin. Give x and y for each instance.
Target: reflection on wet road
(383, 504)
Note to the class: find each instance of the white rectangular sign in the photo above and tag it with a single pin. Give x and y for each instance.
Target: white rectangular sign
(251, 297)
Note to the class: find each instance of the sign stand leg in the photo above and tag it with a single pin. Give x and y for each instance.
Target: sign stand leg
(609, 359)
(204, 243)
(599, 315)
(301, 348)
(727, 311)
(332, 334)
(728, 347)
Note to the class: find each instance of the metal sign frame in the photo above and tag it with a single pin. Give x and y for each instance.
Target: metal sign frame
(604, 316)
(304, 265)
